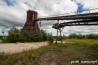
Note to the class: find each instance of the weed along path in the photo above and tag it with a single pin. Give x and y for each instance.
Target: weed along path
(18, 47)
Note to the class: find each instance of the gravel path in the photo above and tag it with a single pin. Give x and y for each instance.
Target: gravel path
(18, 47)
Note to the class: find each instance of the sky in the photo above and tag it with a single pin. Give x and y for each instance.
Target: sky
(13, 13)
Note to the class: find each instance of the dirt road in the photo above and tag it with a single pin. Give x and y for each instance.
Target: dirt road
(18, 47)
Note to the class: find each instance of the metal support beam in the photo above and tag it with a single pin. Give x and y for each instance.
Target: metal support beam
(77, 23)
(72, 17)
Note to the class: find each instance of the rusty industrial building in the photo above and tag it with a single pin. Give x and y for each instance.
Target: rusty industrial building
(31, 26)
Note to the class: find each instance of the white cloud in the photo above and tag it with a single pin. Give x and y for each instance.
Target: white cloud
(15, 15)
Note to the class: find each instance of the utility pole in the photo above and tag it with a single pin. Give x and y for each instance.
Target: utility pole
(3, 32)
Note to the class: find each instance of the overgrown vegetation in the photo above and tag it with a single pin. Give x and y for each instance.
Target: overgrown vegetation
(50, 39)
(1, 37)
(61, 54)
(16, 36)
(80, 36)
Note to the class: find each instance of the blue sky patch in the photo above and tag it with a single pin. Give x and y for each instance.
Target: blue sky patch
(80, 8)
(9, 2)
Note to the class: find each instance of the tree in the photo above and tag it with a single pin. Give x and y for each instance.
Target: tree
(14, 35)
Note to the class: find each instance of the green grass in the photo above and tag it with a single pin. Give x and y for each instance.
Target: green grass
(61, 54)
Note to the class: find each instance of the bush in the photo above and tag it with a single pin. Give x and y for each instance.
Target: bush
(1, 37)
(50, 39)
(4, 39)
(16, 36)
(13, 37)
(80, 36)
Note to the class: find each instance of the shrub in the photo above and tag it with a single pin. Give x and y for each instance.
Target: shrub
(13, 36)
(1, 37)
(50, 39)
(16, 36)
(80, 36)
